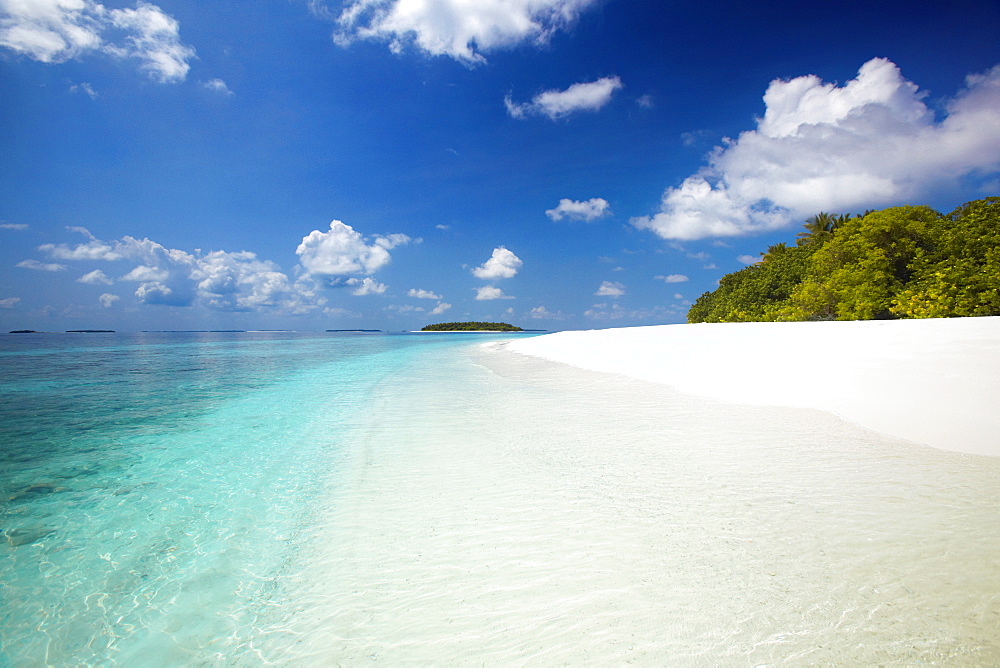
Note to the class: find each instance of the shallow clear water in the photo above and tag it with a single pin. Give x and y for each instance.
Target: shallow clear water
(154, 487)
(291, 499)
(502, 510)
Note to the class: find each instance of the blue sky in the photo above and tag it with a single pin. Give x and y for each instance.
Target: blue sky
(557, 164)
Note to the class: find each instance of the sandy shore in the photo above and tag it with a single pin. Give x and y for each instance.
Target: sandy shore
(935, 382)
(498, 509)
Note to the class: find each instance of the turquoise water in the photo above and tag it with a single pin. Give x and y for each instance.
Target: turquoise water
(155, 487)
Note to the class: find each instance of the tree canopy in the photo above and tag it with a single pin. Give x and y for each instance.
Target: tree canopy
(900, 262)
(471, 327)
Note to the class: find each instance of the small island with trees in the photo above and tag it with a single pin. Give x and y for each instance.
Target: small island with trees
(471, 327)
(900, 262)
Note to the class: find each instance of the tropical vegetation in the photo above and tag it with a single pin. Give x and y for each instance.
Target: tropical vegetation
(900, 262)
(471, 327)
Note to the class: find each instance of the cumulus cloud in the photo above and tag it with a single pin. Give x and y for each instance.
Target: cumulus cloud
(142, 273)
(502, 264)
(54, 31)
(92, 250)
(366, 286)
(592, 209)
(9, 302)
(823, 147)
(107, 300)
(460, 29)
(557, 103)
(219, 280)
(342, 251)
(40, 266)
(96, 277)
(239, 281)
(488, 292)
(610, 289)
(748, 259)
(672, 278)
(422, 294)
(440, 308)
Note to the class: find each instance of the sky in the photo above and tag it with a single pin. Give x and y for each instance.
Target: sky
(386, 164)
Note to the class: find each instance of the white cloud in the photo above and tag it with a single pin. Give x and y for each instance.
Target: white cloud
(366, 286)
(603, 312)
(542, 313)
(609, 289)
(219, 280)
(216, 86)
(672, 278)
(748, 259)
(488, 292)
(54, 31)
(406, 308)
(107, 300)
(557, 103)
(84, 88)
(461, 29)
(9, 302)
(13, 226)
(40, 266)
(422, 294)
(589, 210)
(92, 250)
(342, 251)
(239, 281)
(502, 264)
(440, 308)
(156, 293)
(142, 274)
(96, 277)
(823, 147)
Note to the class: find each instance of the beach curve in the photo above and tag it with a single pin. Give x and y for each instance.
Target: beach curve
(931, 381)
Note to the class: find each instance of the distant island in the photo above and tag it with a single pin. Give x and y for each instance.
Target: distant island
(68, 331)
(471, 327)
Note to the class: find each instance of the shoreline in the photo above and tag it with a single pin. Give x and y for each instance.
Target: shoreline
(933, 382)
(500, 509)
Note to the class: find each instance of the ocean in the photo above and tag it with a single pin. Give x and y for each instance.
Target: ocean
(252, 499)
(155, 487)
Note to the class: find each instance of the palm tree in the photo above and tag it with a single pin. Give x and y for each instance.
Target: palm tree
(819, 229)
(773, 251)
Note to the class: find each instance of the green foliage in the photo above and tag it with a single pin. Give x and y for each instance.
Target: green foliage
(471, 327)
(901, 262)
(960, 274)
(759, 292)
(857, 274)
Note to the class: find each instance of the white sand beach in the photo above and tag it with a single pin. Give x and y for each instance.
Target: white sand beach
(933, 381)
(499, 509)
